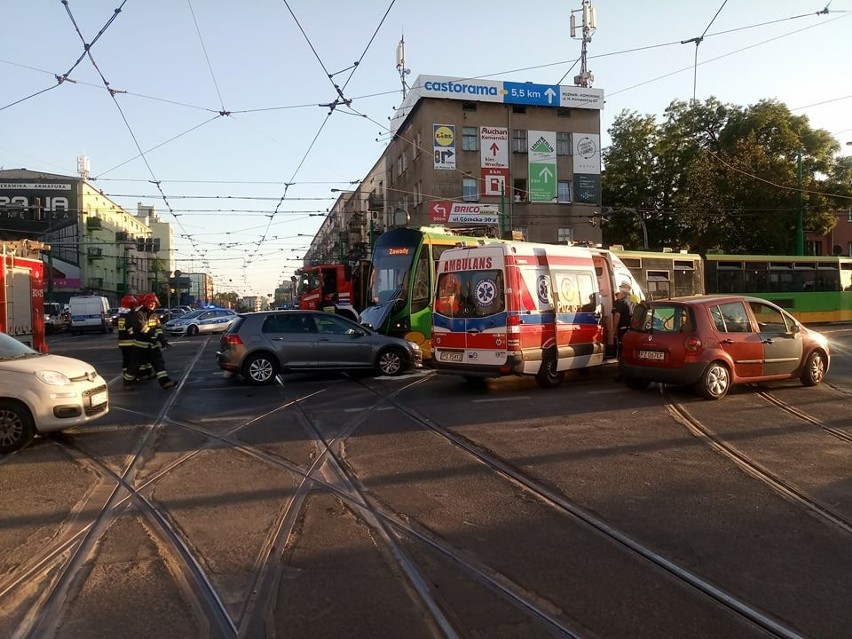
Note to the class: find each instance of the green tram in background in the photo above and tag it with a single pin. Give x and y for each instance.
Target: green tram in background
(814, 289)
(665, 273)
(402, 281)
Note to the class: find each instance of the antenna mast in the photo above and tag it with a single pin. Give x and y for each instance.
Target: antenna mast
(584, 79)
(400, 65)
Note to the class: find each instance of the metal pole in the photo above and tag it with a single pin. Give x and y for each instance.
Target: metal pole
(800, 230)
(503, 210)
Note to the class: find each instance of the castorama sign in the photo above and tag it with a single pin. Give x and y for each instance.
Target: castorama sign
(522, 93)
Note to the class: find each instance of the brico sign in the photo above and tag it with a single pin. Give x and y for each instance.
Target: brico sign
(464, 213)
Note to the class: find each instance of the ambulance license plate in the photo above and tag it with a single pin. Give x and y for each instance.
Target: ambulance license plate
(452, 356)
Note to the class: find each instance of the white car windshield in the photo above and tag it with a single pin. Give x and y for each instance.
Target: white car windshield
(10, 348)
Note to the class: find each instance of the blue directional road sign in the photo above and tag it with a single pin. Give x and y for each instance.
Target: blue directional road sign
(529, 93)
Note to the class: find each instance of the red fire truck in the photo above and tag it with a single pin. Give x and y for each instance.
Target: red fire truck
(337, 288)
(22, 292)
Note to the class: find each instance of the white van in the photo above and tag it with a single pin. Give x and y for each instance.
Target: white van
(90, 313)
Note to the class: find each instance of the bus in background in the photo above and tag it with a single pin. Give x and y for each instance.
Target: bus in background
(665, 273)
(814, 289)
(402, 281)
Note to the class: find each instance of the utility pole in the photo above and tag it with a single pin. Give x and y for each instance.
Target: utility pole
(800, 222)
(589, 26)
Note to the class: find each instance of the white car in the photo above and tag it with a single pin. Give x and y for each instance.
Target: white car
(41, 393)
(203, 320)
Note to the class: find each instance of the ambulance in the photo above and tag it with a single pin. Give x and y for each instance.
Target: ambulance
(521, 308)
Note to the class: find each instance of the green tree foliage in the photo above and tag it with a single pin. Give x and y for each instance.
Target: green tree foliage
(713, 176)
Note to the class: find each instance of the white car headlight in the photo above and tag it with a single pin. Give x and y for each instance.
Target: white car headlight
(53, 378)
(414, 346)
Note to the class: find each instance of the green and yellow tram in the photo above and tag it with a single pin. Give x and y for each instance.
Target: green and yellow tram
(814, 289)
(402, 280)
(665, 273)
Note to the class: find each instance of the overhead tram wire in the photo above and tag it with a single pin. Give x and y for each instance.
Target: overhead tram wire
(697, 42)
(730, 53)
(112, 92)
(223, 112)
(341, 97)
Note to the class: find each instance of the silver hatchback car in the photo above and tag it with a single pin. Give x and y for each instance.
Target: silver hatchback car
(258, 346)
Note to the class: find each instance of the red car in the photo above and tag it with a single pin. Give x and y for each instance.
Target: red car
(715, 341)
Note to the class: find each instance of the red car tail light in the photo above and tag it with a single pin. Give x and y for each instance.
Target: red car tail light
(692, 344)
(231, 340)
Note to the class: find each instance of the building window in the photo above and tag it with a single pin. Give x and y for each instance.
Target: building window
(519, 141)
(470, 138)
(418, 193)
(565, 234)
(563, 143)
(470, 190)
(418, 145)
(520, 188)
(399, 166)
(849, 216)
(563, 191)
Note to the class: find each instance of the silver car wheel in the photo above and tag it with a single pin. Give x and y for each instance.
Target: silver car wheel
(390, 362)
(814, 370)
(16, 428)
(260, 370)
(715, 382)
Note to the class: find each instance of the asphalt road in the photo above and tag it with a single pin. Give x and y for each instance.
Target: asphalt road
(420, 506)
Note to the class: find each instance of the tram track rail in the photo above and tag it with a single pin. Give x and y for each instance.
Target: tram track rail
(565, 506)
(330, 472)
(696, 427)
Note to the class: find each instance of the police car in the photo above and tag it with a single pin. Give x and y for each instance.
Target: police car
(203, 320)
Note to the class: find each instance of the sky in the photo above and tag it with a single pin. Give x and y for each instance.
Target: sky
(217, 113)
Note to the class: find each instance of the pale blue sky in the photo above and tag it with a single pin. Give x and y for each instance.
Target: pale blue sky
(175, 64)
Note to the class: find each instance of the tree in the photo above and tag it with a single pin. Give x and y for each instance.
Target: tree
(719, 177)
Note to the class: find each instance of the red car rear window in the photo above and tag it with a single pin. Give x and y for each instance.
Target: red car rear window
(662, 318)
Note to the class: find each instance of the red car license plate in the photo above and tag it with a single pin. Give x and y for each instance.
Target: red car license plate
(654, 355)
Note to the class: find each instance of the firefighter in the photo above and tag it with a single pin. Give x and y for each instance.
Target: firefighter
(148, 342)
(125, 335)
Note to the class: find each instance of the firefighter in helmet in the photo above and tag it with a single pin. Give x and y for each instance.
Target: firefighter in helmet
(148, 342)
(125, 336)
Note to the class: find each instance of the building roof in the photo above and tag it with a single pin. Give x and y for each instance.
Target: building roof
(26, 174)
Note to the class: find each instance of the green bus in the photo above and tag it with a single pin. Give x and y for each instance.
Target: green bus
(402, 281)
(814, 289)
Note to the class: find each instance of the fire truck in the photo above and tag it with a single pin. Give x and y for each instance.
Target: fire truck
(22, 292)
(336, 288)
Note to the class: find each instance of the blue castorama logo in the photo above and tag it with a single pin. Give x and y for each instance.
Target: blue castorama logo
(461, 87)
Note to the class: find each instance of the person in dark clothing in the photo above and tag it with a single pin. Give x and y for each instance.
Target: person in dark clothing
(622, 310)
(125, 336)
(148, 341)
